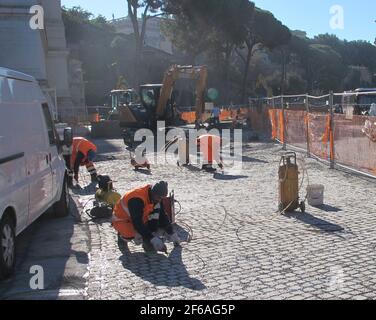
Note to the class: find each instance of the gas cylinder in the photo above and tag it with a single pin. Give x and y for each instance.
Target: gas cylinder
(289, 184)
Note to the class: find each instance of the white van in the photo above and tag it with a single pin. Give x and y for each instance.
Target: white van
(32, 169)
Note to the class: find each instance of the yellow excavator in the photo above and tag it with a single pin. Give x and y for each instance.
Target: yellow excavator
(157, 102)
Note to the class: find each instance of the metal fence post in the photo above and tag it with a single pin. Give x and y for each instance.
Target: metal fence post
(284, 147)
(331, 135)
(307, 126)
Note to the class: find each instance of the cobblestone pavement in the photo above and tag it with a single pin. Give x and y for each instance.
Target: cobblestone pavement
(60, 247)
(241, 248)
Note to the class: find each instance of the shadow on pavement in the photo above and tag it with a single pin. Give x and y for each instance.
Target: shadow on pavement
(87, 190)
(143, 171)
(317, 223)
(247, 159)
(49, 243)
(328, 208)
(191, 168)
(161, 270)
(225, 177)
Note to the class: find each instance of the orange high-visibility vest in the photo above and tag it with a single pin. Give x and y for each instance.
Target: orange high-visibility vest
(81, 145)
(122, 221)
(210, 147)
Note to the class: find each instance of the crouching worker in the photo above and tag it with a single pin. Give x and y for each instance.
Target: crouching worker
(83, 154)
(139, 217)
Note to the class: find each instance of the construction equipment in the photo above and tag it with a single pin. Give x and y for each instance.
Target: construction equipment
(157, 102)
(137, 166)
(107, 123)
(289, 184)
(105, 199)
(357, 102)
(120, 98)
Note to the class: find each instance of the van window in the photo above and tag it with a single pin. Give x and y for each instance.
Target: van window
(22, 91)
(5, 94)
(49, 124)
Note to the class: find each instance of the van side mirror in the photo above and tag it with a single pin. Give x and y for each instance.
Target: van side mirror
(68, 136)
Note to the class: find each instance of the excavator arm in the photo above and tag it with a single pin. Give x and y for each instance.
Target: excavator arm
(175, 72)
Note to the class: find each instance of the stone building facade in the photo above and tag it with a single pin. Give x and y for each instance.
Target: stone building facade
(42, 53)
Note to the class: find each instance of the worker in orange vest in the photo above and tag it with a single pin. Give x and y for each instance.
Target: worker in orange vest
(139, 217)
(83, 153)
(210, 147)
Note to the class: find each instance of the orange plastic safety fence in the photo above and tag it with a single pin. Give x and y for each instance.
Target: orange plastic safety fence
(296, 128)
(225, 115)
(273, 121)
(355, 142)
(319, 134)
(351, 141)
(189, 117)
(259, 120)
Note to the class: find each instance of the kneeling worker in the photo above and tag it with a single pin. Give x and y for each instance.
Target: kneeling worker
(83, 154)
(139, 215)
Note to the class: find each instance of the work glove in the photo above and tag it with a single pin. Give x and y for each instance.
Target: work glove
(175, 239)
(158, 244)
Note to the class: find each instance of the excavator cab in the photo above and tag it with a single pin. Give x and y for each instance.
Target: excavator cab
(119, 99)
(150, 98)
(157, 101)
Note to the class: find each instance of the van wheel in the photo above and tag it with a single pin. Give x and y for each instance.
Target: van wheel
(61, 208)
(7, 247)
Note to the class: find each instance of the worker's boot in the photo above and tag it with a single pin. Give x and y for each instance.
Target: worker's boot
(122, 244)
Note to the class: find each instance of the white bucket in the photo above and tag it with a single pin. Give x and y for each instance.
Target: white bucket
(315, 195)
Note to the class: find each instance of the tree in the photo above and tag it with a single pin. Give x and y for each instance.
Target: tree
(212, 26)
(89, 39)
(326, 69)
(150, 9)
(263, 31)
(231, 31)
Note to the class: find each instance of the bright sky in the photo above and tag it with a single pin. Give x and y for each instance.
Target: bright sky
(312, 16)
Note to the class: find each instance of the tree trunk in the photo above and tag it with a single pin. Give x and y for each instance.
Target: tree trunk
(246, 73)
(229, 49)
(139, 39)
(132, 12)
(283, 78)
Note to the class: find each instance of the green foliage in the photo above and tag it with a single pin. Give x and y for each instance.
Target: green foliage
(267, 30)
(211, 32)
(90, 38)
(217, 27)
